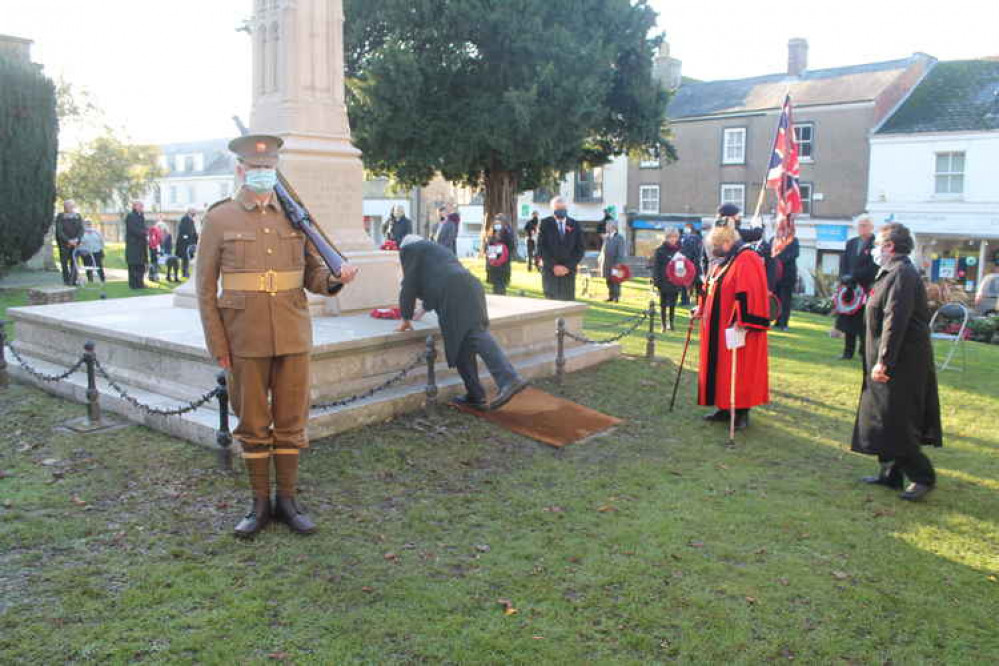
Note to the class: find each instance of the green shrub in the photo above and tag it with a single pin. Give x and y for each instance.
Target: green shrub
(817, 304)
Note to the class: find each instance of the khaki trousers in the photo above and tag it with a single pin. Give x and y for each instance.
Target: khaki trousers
(270, 395)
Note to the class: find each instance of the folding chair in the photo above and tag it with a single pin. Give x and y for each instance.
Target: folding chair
(952, 313)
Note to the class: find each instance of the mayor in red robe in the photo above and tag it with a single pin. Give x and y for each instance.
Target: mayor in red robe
(736, 296)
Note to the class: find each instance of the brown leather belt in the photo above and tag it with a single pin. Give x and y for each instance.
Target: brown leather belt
(270, 282)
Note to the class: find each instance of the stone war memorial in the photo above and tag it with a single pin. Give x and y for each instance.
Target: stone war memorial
(153, 346)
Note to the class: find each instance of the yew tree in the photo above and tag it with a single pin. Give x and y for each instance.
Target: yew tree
(505, 95)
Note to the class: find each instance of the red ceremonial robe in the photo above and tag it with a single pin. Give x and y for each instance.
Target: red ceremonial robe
(736, 293)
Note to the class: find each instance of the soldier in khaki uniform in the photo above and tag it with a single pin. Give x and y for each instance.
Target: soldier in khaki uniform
(258, 327)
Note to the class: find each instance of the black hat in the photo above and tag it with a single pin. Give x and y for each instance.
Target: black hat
(728, 210)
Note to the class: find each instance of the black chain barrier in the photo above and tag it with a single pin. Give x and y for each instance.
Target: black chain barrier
(38, 374)
(149, 409)
(638, 320)
(387, 384)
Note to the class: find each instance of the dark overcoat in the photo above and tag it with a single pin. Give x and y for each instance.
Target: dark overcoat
(896, 418)
(501, 274)
(401, 227)
(187, 235)
(431, 273)
(664, 255)
(856, 267)
(136, 240)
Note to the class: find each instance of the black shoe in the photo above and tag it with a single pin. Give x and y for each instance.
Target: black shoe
(291, 513)
(888, 477)
(717, 416)
(916, 492)
(256, 519)
(844, 357)
(741, 420)
(507, 392)
(468, 401)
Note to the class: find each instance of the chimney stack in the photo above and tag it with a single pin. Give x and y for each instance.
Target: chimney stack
(16, 48)
(797, 56)
(666, 69)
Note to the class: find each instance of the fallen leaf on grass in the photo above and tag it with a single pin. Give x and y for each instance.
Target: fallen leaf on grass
(751, 600)
(696, 544)
(3, 474)
(507, 605)
(77, 501)
(784, 581)
(390, 556)
(675, 472)
(993, 579)
(606, 508)
(482, 548)
(278, 656)
(761, 551)
(840, 575)
(7, 504)
(49, 462)
(368, 589)
(878, 513)
(554, 509)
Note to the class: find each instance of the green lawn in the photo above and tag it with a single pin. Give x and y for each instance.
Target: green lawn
(656, 543)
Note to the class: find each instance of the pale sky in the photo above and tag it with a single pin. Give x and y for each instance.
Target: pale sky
(178, 70)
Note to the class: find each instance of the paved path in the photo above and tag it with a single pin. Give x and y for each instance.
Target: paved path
(24, 279)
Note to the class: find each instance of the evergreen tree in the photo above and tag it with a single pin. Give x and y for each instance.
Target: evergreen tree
(507, 95)
(29, 134)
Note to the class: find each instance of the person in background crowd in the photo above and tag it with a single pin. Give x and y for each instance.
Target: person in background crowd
(609, 216)
(856, 268)
(498, 262)
(560, 246)
(68, 231)
(692, 247)
(667, 290)
(612, 253)
(531, 232)
(166, 250)
(785, 266)
(155, 236)
(136, 245)
(899, 409)
(399, 225)
(447, 233)
(435, 276)
(92, 251)
(187, 241)
(736, 298)
(749, 234)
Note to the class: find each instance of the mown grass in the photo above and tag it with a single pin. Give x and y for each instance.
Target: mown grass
(655, 543)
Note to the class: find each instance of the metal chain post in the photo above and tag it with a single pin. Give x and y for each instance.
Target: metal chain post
(223, 437)
(432, 391)
(3, 359)
(93, 395)
(650, 345)
(560, 354)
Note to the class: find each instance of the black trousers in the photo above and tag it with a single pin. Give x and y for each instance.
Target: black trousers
(530, 256)
(559, 288)
(66, 264)
(172, 268)
(499, 288)
(93, 262)
(614, 289)
(482, 343)
(784, 293)
(916, 467)
(154, 265)
(136, 273)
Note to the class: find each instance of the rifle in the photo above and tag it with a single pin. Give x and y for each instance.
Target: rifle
(302, 219)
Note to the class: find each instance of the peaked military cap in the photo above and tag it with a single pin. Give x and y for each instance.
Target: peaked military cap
(259, 150)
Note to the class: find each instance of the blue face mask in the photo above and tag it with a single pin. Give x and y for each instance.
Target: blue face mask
(560, 213)
(261, 180)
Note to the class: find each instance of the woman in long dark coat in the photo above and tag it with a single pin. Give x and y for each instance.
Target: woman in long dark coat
(498, 268)
(899, 406)
(668, 291)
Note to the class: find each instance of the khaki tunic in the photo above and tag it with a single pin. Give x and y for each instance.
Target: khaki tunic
(261, 332)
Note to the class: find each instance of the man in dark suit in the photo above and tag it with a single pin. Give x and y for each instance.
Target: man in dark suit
(531, 233)
(856, 268)
(431, 273)
(560, 246)
(785, 278)
(136, 245)
(187, 239)
(68, 232)
(400, 226)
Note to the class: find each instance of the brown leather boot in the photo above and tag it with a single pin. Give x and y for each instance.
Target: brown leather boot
(292, 514)
(256, 520)
(258, 468)
(286, 507)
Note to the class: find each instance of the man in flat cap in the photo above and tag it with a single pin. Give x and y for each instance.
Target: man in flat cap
(259, 328)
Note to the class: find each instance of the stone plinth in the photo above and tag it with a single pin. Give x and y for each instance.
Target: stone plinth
(50, 295)
(158, 353)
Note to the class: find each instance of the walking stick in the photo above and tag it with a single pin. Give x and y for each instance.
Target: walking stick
(683, 357)
(731, 398)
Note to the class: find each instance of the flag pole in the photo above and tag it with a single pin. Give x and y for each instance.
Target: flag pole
(773, 147)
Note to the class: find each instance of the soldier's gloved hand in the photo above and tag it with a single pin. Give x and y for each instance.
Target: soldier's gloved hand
(405, 325)
(347, 273)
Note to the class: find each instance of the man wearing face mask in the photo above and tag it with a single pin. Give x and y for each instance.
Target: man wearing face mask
(259, 328)
(899, 410)
(560, 246)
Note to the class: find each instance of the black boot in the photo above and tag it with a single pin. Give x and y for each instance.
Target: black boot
(741, 419)
(291, 513)
(916, 491)
(717, 415)
(507, 392)
(468, 401)
(256, 519)
(888, 476)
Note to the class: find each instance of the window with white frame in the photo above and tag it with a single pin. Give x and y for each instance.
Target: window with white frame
(804, 136)
(733, 193)
(188, 162)
(950, 173)
(178, 163)
(649, 161)
(191, 194)
(806, 198)
(648, 199)
(173, 194)
(734, 145)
